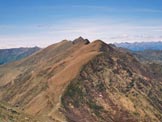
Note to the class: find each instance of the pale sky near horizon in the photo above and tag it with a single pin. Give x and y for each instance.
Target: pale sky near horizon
(26, 23)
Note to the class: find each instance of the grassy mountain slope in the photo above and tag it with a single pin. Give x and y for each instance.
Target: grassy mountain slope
(10, 114)
(113, 87)
(82, 82)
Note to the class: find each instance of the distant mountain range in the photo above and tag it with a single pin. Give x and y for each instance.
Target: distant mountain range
(140, 46)
(14, 54)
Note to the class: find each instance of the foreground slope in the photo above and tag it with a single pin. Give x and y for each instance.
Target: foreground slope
(10, 114)
(82, 82)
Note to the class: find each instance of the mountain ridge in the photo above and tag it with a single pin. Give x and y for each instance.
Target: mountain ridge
(71, 82)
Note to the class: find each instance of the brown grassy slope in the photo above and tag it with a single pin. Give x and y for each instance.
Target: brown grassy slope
(77, 81)
(41, 78)
(113, 87)
(10, 114)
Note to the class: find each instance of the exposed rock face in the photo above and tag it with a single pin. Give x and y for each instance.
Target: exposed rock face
(81, 40)
(81, 82)
(111, 88)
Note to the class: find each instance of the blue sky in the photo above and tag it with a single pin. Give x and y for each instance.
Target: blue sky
(44, 22)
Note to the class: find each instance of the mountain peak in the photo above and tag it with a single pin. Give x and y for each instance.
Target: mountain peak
(81, 40)
(103, 46)
(98, 41)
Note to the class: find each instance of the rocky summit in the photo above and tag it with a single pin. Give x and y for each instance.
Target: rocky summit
(79, 81)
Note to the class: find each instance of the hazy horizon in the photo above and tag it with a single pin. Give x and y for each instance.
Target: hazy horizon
(44, 46)
(44, 22)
